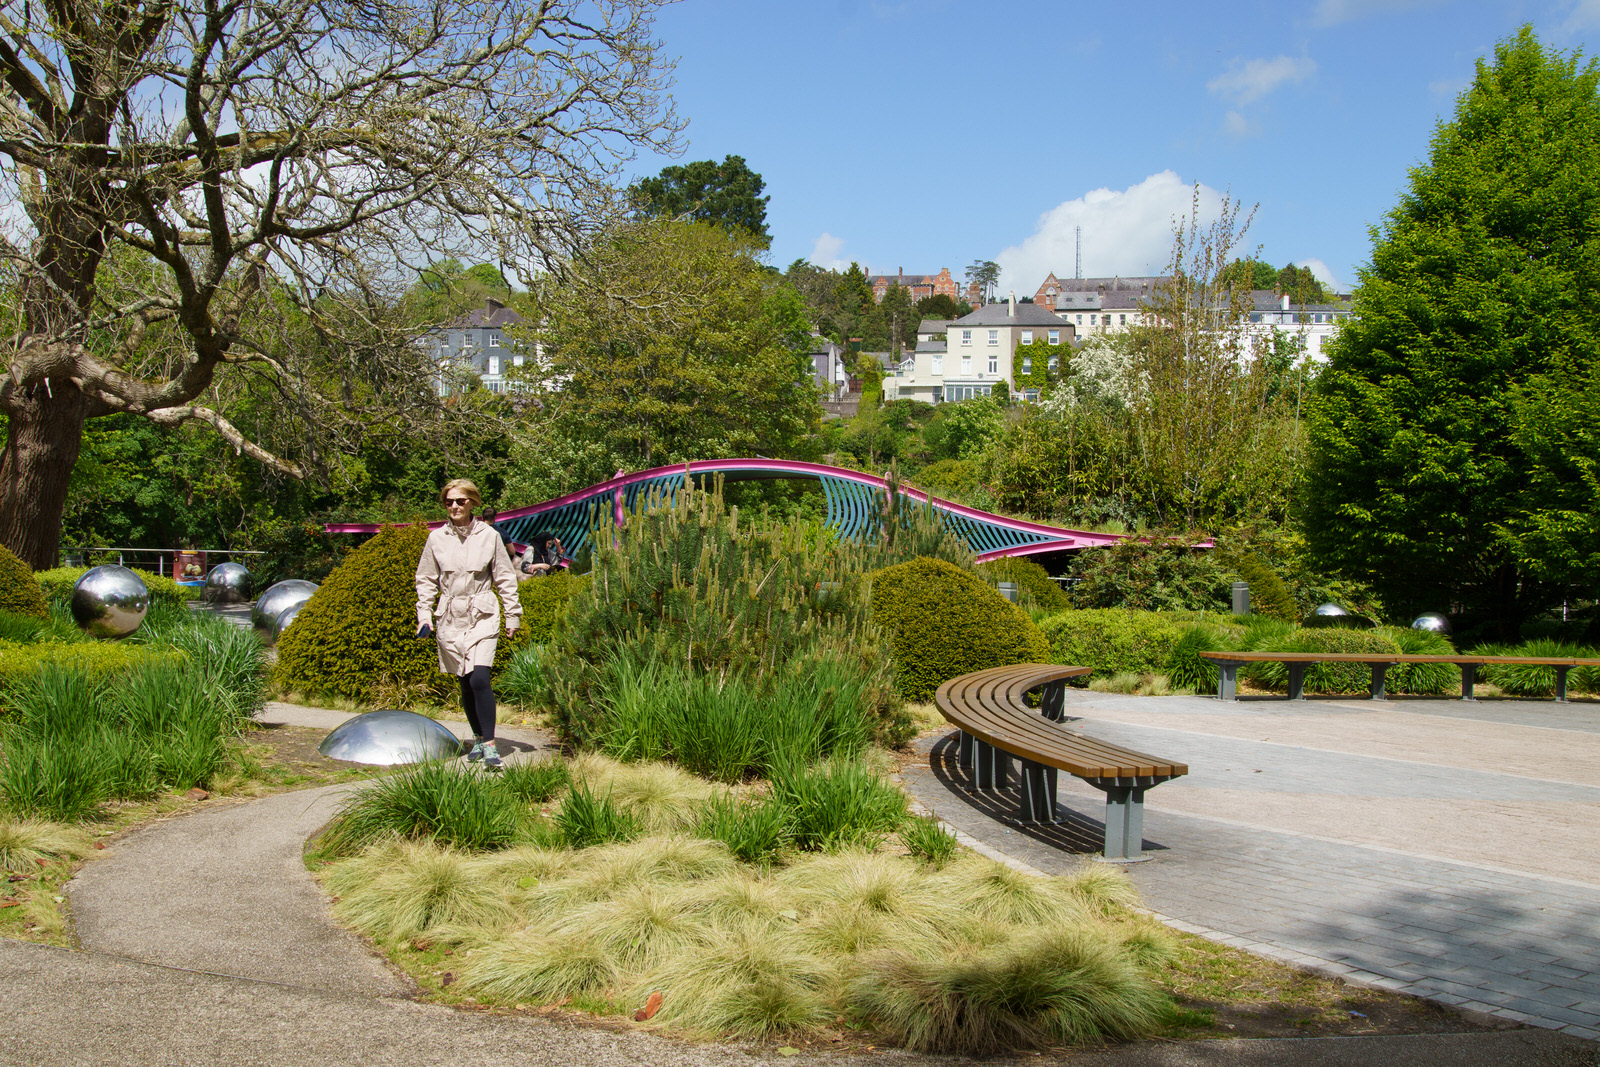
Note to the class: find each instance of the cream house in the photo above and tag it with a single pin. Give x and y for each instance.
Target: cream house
(963, 358)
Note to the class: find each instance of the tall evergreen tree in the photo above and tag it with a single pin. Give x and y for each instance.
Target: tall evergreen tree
(1451, 463)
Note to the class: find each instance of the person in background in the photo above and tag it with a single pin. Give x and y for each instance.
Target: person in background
(463, 566)
(543, 554)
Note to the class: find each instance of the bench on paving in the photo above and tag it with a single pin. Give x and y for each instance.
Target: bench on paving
(996, 723)
(1228, 664)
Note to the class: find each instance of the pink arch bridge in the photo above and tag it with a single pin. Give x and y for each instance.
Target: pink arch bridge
(854, 504)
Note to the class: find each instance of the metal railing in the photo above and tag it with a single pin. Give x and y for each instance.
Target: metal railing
(88, 556)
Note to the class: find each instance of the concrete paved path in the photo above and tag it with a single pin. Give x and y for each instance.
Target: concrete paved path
(1445, 850)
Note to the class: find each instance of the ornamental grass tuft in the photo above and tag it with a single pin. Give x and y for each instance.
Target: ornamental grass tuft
(25, 844)
(408, 889)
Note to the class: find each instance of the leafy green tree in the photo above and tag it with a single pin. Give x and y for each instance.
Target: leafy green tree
(985, 273)
(447, 290)
(900, 318)
(1251, 274)
(1300, 285)
(726, 194)
(942, 306)
(1452, 431)
(668, 341)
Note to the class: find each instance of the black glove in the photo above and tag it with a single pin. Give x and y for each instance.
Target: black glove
(426, 633)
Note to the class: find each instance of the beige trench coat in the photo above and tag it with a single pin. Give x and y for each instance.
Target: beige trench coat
(462, 572)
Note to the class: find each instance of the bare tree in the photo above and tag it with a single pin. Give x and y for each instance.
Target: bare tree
(213, 195)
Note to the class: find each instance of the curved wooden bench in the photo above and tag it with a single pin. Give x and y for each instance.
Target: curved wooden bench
(1228, 664)
(996, 723)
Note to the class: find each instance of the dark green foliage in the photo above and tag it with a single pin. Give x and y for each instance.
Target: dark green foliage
(439, 800)
(544, 601)
(1323, 677)
(943, 621)
(1185, 668)
(57, 583)
(755, 831)
(523, 680)
(19, 592)
(1112, 640)
(1034, 584)
(927, 840)
(693, 583)
(21, 629)
(1269, 594)
(1428, 679)
(358, 632)
(585, 820)
(534, 782)
(1524, 679)
(836, 805)
(1451, 431)
(1152, 573)
(726, 194)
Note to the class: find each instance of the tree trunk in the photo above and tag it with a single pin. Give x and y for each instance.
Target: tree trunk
(43, 435)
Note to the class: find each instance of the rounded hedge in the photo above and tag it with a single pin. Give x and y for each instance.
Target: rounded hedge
(1322, 677)
(57, 584)
(19, 590)
(1034, 583)
(942, 621)
(358, 632)
(1113, 640)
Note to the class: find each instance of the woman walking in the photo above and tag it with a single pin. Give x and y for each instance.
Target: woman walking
(462, 567)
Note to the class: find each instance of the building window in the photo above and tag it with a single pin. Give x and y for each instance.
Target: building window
(938, 365)
(494, 340)
(1080, 320)
(994, 364)
(1055, 337)
(966, 365)
(1027, 337)
(966, 337)
(1053, 363)
(1122, 320)
(994, 337)
(1107, 321)
(1027, 364)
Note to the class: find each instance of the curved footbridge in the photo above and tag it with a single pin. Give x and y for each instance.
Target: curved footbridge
(855, 502)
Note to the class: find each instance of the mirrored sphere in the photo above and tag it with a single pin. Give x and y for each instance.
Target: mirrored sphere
(278, 596)
(389, 737)
(110, 601)
(227, 583)
(285, 617)
(1433, 622)
(1329, 610)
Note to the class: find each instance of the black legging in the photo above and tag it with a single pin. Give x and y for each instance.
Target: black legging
(477, 697)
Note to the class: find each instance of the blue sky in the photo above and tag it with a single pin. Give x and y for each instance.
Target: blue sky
(930, 133)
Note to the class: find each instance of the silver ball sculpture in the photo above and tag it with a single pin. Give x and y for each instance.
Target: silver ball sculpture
(389, 737)
(227, 583)
(1328, 611)
(1432, 622)
(278, 596)
(285, 617)
(110, 601)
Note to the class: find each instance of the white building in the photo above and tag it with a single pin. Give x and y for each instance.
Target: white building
(477, 344)
(963, 359)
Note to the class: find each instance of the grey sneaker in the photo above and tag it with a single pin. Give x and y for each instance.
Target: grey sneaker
(476, 753)
(491, 758)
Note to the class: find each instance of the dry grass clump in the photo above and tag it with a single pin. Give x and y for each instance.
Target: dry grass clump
(27, 843)
(980, 886)
(540, 966)
(662, 797)
(408, 889)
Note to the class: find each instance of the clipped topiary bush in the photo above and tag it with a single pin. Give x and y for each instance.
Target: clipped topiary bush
(1113, 640)
(57, 582)
(1269, 593)
(544, 600)
(1034, 583)
(942, 621)
(357, 635)
(19, 592)
(1323, 677)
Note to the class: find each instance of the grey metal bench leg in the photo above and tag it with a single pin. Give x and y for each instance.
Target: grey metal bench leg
(1297, 680)
(1053, 701)
(1038, 792)
(964, 752)
(993, 765)
(1561, 684)
(1469, 678)
(1379, 672)
(1124, 823)
(1227, 681)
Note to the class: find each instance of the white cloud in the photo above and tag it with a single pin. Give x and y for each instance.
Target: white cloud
(1126, 232)
(1448, 88)
(825, 253)
(1322, 273)
(1249, 80)
(1235, 125)
(1585, 15)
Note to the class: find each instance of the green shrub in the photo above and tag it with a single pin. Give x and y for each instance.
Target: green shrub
(693, 583)
(837, 805)
(1424, 679)
(544, 601)
(1269, 593)
(438, 801)
(1186, 668)
(357, 634)
(1035, 587)
(943, 622)
(1526, 679)
(1113, 640)
(1322, 677)
(19, 592)
(56, 585)
(97, 660)
(755, 831)
(586, 820)
(1155, 572)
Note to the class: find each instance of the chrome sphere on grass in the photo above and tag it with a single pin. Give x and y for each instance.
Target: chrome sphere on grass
(389, 737)
(1433, 622)
(227, 583)
(110, 601)
(285, 617)
(279, 596)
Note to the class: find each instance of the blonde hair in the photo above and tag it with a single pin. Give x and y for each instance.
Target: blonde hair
(464, 487)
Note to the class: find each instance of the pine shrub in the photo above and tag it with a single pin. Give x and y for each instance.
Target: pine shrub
(943, 621)
(1113, 640)
(19, 591)
(1269, 593)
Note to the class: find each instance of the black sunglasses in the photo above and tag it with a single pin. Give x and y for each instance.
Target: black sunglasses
(463, 501)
